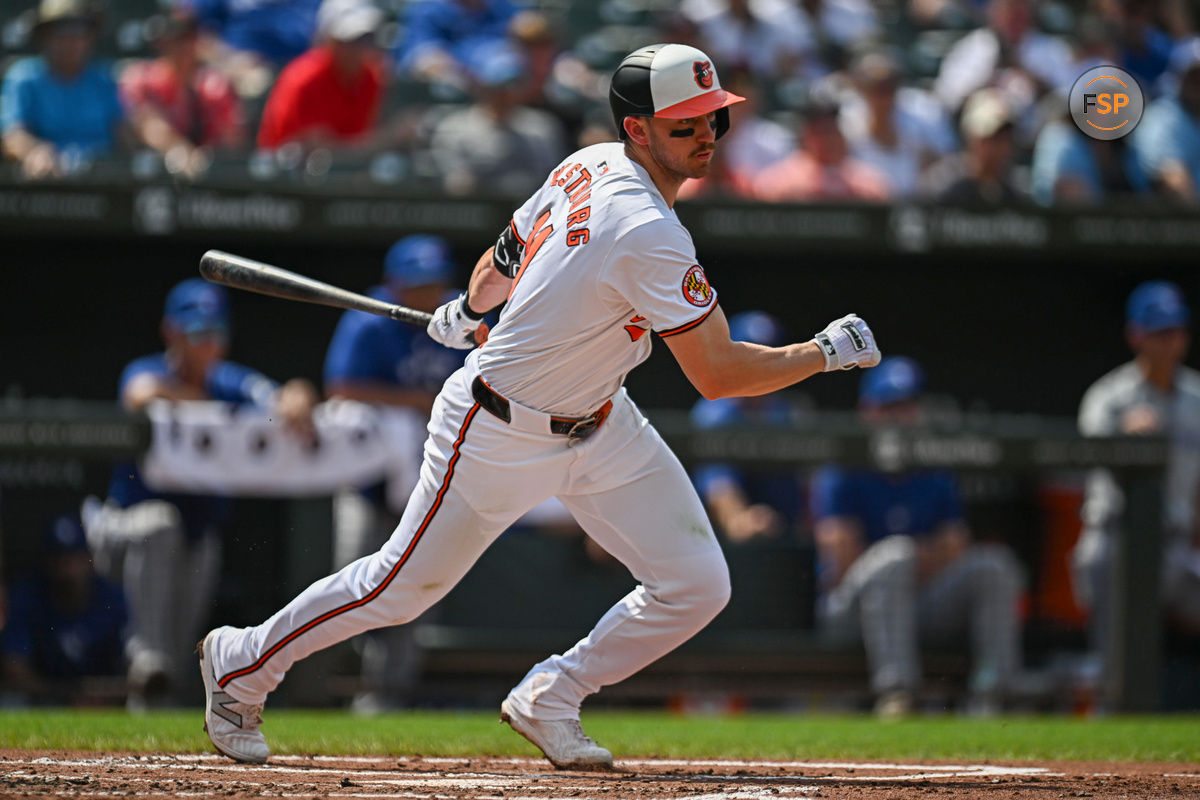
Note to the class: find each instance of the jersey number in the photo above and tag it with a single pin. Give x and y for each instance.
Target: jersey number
(541, 231)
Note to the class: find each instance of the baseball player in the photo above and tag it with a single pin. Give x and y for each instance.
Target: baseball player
(1155, 393)
(591, 264)
(68, 623)
(372, 359)
(896, 566)
(164, 548)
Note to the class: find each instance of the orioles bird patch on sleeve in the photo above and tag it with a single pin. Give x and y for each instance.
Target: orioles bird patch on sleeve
(695, 287)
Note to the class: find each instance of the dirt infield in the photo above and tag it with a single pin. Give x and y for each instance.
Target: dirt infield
(39, 774)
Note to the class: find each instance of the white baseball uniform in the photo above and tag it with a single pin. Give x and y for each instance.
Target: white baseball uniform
(600, 260)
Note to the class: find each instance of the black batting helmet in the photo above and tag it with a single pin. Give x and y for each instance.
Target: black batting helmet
(671, 81)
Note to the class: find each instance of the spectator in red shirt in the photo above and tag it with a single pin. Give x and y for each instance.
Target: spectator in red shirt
(180, 105)
(330, 96)
(821, 170)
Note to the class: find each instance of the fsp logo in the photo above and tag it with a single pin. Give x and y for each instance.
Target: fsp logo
(1106, 103)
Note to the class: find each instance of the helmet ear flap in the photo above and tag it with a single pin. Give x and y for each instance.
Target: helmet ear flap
(722, 122)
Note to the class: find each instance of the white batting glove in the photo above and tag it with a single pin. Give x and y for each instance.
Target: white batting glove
(848, 342)
(452, 326)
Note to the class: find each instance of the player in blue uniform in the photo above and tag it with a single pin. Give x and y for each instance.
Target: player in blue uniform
(400, 370)
(896, 566)
(164, 548)
(66, 621)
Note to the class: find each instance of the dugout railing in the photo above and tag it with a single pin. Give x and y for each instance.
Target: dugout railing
(56, 445)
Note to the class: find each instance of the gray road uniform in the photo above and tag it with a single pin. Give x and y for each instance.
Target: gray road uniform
(1101, 413)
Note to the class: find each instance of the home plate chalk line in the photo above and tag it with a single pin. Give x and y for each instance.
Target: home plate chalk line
(432, 778)
(215, 762)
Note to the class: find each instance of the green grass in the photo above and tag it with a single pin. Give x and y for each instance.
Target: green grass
(633, 734)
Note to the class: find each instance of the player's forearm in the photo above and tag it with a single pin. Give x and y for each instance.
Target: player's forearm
(720, 367)
(146, 387)
(488, 288)
(742, 369)
(760, 370)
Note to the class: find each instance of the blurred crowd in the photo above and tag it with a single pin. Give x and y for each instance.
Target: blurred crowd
(960, 101)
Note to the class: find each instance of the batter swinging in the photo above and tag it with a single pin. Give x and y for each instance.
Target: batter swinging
(589, 264)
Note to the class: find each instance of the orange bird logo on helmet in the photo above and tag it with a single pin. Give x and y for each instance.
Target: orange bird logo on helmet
(704, 74)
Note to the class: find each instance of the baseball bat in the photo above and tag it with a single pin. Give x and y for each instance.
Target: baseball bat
(255, 276)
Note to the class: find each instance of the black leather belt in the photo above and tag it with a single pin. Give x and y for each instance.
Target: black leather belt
(572, 427)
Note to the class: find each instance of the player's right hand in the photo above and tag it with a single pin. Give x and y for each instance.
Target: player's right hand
(848, 342)
(452, 327)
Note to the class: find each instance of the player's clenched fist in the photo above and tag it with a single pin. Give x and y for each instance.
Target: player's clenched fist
(454, 325)
(848, 342)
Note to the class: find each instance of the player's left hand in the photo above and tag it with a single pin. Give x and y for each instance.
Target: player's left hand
(848, 342)
(452, 327)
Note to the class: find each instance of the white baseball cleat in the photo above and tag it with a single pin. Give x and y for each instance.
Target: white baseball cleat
(233, 727)
(563, 740)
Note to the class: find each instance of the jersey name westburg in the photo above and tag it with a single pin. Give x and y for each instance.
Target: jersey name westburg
(576, 182)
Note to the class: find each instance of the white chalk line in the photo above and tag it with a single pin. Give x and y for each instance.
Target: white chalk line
(950, 770)
(429, 786)
(500, 782)
(922, 771)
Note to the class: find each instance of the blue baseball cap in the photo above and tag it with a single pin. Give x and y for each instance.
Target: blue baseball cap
(894, 380)
(496, 64)
(196, 305)
(64, 535)
(758, 327)
(418, 261)
(1156, 306)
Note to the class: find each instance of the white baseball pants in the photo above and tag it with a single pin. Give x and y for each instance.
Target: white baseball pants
(622, 484)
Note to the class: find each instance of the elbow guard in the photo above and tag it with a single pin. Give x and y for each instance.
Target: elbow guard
(506, 258)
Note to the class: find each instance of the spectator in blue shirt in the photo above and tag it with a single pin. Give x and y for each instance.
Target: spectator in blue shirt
(1144, 47)
(165, 547)
(1167, 140)
(393, 366)
(274, 30)
(1072, 168)
(896, 567)
(441, 37)
(60, 108)
(67, 623)
(747, 506)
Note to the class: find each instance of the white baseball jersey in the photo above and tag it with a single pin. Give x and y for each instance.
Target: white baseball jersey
(600, 260)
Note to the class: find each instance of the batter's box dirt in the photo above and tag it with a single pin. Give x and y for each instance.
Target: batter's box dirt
(40, 774)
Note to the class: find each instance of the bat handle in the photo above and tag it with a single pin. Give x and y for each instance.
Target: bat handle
(411, 316)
